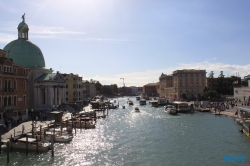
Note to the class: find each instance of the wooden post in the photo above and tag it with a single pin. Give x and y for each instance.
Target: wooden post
(26, 146)
(8, 152)
(80, 123)
(36, 145)
(72, 122)
(107, 112)
(52, 145)
(61, 129)
(75, 128)
(40, 132)
(14, 132)
(44, 134)
(11, 143)
(85, 123)
(0, 143)
(95, 116)
(32, 129)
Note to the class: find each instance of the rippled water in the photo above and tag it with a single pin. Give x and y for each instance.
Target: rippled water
(150, 137)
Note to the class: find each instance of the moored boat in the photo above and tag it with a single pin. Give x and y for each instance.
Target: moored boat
(33, 145)
(153, 103)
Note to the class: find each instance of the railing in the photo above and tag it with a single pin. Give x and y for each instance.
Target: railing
(9, 90)
(8, 107)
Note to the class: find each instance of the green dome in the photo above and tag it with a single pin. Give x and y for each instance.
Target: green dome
(25, 53)
(22, 26)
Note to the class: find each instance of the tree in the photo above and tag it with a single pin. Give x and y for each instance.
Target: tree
(98, 86)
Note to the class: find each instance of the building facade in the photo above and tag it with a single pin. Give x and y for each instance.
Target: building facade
(73, 88)
(150, 89)
(13, 90)
(189, 83)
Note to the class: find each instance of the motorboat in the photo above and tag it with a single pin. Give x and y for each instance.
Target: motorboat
(77, 124)
(153, 103)
(130, 102)
(123, 106)
(137, 109)
(162, 101)
(33, 145)
(170, 109)
(138, 97)
(57, 137)
(142, 102)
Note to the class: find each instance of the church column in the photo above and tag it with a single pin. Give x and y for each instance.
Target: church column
(46, 95)
(59, 95)
(64, 94)
(56, 95)
(38, 96)
(50, 96)
(53, 95)
(35, 96)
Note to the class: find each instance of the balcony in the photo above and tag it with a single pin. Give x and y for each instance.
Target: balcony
(8, 107)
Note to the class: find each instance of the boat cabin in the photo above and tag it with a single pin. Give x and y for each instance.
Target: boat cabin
(142, 102)
(154, 103)
(182, 107)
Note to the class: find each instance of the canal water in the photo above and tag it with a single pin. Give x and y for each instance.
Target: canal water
(150, 137)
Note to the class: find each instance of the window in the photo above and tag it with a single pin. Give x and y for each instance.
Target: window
(24, 85)
(24, 100)
(15, 70)
(67, 93)
(15, 85)
(0, 68)
(24, 71)
(15, 101)
(0, 84)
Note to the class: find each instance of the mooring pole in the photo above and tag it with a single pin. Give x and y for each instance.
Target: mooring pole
(8, 152)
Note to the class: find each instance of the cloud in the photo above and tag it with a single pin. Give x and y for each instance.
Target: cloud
(54, 30)
(150, 76)
(4, 38)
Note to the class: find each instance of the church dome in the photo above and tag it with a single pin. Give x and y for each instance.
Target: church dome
(24, 52)
(22, 26)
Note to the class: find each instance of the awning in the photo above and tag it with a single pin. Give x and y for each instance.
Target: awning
(56, 112)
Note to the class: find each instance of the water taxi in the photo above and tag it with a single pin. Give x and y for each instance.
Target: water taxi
(170, 109)
(153, 103)
(142, 102)
(137, 109)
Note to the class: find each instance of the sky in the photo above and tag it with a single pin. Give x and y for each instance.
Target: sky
(138, 40)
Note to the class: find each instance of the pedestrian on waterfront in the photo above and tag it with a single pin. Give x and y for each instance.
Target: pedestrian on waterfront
(23, 128)
(236, 113)
(9, 126)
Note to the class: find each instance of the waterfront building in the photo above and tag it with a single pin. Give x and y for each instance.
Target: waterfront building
(189, 83)
(86, 90)
(44, 88)
(150, 89)
(92, 90)
(134, 90)
(165, 88)
(73, 88)
(13, 90)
